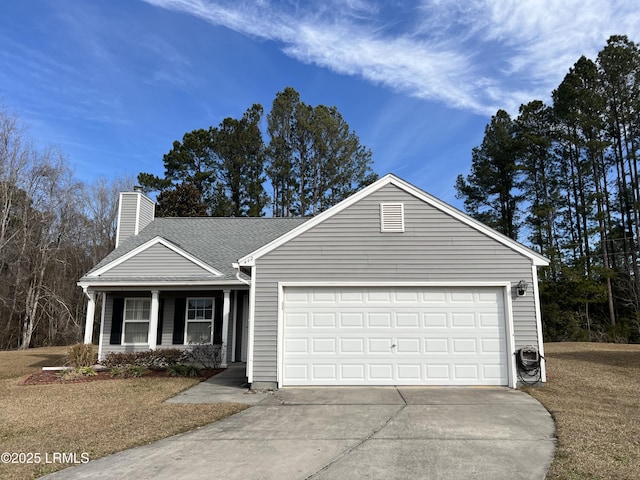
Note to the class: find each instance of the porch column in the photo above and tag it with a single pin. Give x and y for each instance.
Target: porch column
(226, 309)
(153, 320)
(91, 311)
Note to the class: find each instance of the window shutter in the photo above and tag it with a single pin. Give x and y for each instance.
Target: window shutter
(116, 321)
(392, 217)
(178, 321)
(160, 318)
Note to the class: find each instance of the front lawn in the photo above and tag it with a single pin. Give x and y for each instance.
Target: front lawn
(93, 418)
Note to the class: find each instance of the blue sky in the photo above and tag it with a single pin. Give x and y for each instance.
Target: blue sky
(115, 82)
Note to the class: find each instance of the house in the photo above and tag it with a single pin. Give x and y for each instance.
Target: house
(389, 287)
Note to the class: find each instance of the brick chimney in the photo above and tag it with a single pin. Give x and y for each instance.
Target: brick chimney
(135, 212)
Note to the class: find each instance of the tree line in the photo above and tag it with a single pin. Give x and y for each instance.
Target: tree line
(308, 158)
(54, 228)
(564, 178)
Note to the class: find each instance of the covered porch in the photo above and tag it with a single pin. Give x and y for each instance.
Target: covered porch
(137, 319)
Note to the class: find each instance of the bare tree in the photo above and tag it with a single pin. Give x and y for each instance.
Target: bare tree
(40, 224)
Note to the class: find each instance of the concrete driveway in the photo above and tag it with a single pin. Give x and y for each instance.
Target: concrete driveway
(354, 433)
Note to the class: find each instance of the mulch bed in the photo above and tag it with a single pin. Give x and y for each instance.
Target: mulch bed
(45, 377)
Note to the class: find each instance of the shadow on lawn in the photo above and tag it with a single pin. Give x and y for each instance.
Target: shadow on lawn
(48, 360)
(621, 358)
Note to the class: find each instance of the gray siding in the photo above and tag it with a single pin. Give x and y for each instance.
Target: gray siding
(349, 247)
(147, 211)
(127, 218)
(157, 261)
(136, 212)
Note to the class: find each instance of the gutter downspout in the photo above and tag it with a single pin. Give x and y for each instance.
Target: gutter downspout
(237, 268)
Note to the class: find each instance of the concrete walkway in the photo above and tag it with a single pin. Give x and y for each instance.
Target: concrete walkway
(348, 433)
(229, 386)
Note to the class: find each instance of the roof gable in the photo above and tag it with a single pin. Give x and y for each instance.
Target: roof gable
(140, 262)
(390, 179)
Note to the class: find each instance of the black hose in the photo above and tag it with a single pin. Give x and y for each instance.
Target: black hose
(532, 368)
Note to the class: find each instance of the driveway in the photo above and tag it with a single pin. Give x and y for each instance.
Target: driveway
(354, 433)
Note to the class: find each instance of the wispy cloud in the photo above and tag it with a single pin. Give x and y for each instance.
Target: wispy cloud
(476, 55)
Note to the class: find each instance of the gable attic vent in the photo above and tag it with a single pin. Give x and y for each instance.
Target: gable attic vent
(392, 217)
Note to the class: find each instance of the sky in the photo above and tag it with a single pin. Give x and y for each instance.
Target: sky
(114, 83)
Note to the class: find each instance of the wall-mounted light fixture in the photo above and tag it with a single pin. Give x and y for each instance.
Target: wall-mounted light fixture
(521, 288)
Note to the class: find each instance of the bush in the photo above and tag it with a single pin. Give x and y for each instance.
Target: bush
(127, 371)
(209, 356)
(152, 359)
(79, 372)
(81, 355)
(183, 371)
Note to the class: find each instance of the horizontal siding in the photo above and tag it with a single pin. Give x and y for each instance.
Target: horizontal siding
(147, 211)
(132, 220)
(127, 219)
(167, 322)
(157, 261)
(349, 247)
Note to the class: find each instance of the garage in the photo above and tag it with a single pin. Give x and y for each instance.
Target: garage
(394, 335)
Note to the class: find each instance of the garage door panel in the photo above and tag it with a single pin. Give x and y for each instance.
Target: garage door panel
(379, 345)
(410, 372)
(465, 372)
(296, 372)
(296, 296)
(435, 320)
(378, 320)
(394, 336)
(297, 345)
(436, 345)
(434, 297)
(461, 297)
(489, 320)
(297, 320)
(351, 297)
(324, 372)
(323, 320)
(490, 345)
(352, 346)
(407, 296)
(408, 346)
(380, 372)
(323, 346)
(408, 319)
(464, 346)
(354, 372)
(352, 320)
(463, 320)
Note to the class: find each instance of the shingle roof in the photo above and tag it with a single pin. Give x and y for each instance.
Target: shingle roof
(216, 241)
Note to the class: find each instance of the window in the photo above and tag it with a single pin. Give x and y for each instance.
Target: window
(136, 320)
(392, 217)
(199, 326)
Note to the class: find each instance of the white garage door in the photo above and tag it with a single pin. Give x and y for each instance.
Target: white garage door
(394, 336)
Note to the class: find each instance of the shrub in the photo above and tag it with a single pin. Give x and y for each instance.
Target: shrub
(127, 371)
(78, 373)
(122, 359)
(209, 356)
(152, 359)
(81, 355)
(183, 371)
